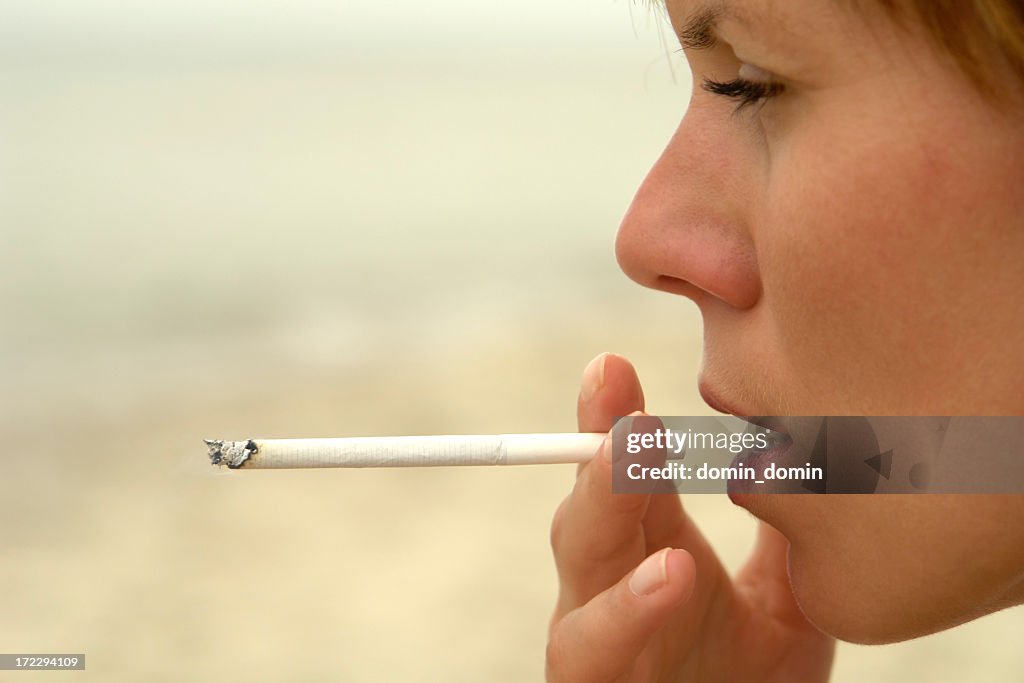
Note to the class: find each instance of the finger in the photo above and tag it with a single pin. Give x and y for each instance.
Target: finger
(665, 523)
(610, 389)
(602, 640)
(597, 536)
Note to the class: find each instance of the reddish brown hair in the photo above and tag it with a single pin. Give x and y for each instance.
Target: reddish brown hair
(986, 37)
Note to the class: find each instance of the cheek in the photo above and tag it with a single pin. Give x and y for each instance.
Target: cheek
(861, 245)
(851, 228)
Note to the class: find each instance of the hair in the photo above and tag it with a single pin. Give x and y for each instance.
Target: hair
(986, 37)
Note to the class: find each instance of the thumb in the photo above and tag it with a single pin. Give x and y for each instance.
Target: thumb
(602, 640)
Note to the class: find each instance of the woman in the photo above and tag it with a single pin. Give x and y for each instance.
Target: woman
(843, 202)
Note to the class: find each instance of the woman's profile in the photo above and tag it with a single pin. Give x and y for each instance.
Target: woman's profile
(842, 201)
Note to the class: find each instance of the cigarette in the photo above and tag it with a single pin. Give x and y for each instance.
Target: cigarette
(406, 451)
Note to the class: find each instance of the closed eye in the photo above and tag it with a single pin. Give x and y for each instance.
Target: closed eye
(744, 92)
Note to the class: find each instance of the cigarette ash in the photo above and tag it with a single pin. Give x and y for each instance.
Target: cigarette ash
(234, 454)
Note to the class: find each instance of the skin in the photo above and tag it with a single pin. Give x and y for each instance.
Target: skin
(854, 247)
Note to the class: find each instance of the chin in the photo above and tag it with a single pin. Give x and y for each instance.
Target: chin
(858, 603)
(859, 576)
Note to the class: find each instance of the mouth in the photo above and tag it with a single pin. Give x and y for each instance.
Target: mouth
(759, 462)
(774, 444)
(770, 448)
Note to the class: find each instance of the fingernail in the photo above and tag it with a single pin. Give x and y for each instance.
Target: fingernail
(593, 377)
(651, 575)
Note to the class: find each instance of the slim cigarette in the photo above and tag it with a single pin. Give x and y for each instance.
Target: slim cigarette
(406, 451)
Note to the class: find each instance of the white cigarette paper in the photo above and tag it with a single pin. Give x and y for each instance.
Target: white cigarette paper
(406, 451)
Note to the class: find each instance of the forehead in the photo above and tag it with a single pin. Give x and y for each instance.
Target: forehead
(777, 14)
(795, 33)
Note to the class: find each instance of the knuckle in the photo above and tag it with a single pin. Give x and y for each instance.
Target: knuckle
(632, 504)
(554, 657)
(557, 524)
(611, 551)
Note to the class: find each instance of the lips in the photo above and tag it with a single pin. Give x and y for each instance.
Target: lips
(778, 443)
(742, 491)
(779, 437)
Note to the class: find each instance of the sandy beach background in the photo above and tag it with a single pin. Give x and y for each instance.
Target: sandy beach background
(322, 219)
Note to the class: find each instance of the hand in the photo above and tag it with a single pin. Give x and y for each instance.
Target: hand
(676, 615)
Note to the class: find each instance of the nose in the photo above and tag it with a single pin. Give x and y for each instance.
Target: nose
(687, 229)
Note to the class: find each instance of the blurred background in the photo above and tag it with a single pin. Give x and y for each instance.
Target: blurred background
(227, 219)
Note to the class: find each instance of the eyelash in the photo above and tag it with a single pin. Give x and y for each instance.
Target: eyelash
(744, 92)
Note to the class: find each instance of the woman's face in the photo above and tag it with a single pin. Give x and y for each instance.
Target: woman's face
(855, 244)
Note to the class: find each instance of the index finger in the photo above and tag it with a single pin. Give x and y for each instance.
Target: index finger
(610, 390)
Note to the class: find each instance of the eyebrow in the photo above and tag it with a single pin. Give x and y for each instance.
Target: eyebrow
(698, 33)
